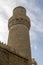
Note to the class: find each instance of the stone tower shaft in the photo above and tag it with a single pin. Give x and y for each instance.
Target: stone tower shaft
(19, 26)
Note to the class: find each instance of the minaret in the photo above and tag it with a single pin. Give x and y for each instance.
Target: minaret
(19, 26)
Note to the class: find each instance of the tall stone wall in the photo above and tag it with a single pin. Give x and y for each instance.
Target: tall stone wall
(9, 57)
(3, 54)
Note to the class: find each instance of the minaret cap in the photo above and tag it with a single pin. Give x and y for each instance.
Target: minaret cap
(19, 10)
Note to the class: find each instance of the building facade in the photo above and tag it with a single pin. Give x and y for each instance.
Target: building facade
(18, 50)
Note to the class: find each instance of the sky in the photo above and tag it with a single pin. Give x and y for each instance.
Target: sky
(34, 10)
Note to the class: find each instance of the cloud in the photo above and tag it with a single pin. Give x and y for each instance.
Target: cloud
(35, 47)
(7, 6)
(22, 1)
(3, 29)
(36, 16)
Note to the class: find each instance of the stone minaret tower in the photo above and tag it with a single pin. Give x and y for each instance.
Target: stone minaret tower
(19, 26)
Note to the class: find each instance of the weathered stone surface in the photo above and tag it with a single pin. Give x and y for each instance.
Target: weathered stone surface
(9, 57)
(19, 26)
(18, 50)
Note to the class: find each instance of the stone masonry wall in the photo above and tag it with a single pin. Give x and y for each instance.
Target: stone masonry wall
(9, 57)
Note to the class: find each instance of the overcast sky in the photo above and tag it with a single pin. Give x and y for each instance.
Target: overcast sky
(35, 12)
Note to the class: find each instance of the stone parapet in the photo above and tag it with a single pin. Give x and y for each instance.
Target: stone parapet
(9, 57)
(7, 48)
